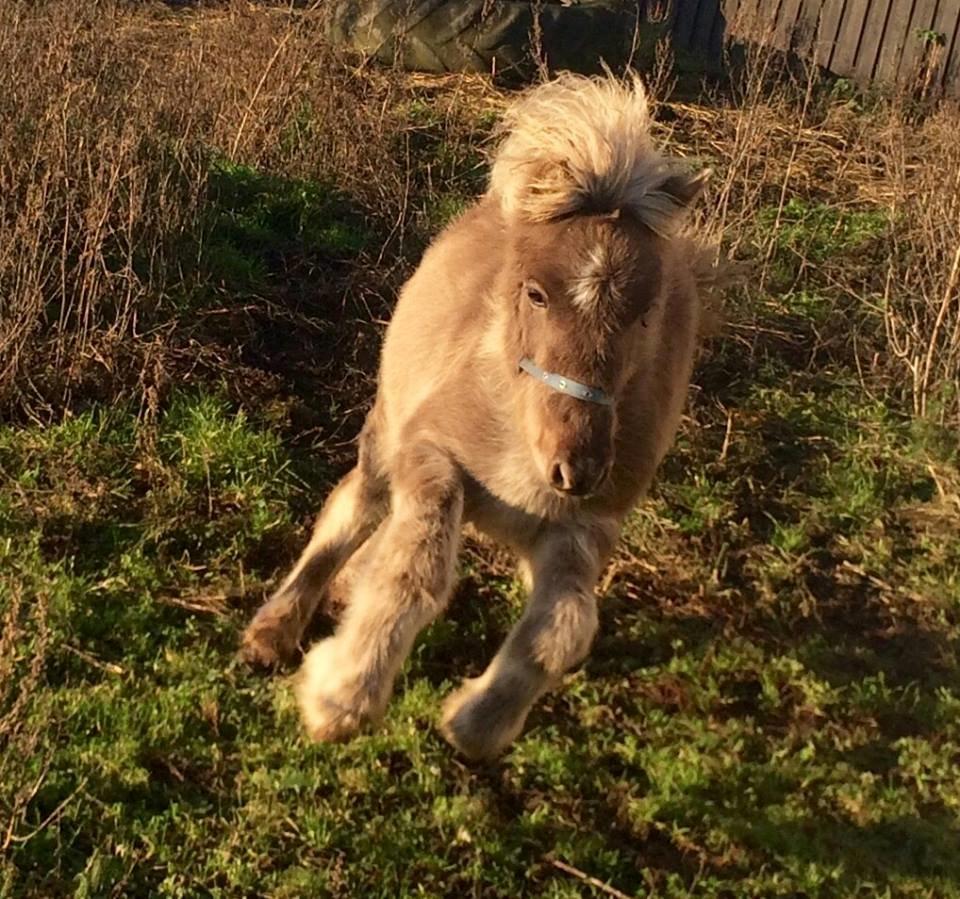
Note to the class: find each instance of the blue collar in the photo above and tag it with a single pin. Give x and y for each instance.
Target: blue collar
(566, 385)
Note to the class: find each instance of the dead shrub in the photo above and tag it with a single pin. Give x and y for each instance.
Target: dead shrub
(881, 177)
(112, 117)
(920, 301)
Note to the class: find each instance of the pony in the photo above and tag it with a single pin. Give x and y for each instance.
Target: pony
(532, 377)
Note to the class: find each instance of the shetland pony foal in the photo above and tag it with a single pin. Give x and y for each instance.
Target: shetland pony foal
(532, 378)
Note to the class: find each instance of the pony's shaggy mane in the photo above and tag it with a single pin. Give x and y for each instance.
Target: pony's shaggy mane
(581, 144)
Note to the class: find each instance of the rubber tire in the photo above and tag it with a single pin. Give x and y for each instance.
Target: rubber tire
(484, 36)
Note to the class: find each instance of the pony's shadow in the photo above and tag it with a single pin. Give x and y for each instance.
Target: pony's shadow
(914, 845)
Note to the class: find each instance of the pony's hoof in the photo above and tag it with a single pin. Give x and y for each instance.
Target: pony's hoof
(333, 704)
(267, 645)
(480, 723)
(326, 722)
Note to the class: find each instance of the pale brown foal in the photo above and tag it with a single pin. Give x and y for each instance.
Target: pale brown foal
(532, 378)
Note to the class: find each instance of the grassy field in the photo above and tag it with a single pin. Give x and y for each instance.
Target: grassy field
(196, 262)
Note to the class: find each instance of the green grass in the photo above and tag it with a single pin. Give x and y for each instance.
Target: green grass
(819, 230)
(807, 234)
(759, 717)
(263, 227)
(772, 707)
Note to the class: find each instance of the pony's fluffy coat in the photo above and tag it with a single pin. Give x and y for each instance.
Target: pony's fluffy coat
(460, 436)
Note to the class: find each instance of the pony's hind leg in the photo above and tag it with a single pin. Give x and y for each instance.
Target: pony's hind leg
(405, 581)
(487, 713)
(349, 516)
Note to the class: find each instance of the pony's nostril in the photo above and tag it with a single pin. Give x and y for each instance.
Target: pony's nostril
(578, 479)
(561, 476)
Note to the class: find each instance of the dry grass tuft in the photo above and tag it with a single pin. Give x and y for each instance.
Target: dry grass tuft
(24, 642)
(921, 293)
(783, 138)
(112, 118)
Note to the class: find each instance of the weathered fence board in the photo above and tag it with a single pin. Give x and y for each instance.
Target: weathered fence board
(951, 73)
(920, 22)
(847, 45)
(946, 23)
(831, 19)
(894, 38)
(906, 41)
(865, 62)
(785, 23)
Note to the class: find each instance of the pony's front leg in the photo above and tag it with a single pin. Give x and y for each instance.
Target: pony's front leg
(406, 580)
(487, 713)
(349, 516)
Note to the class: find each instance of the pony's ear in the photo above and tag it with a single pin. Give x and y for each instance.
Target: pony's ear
(660, 198)
(684, 187)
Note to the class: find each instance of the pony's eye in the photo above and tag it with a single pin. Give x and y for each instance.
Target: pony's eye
(536, 296)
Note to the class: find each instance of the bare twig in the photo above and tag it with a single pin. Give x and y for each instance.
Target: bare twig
(16, 838)
(726, 437)
(586, 878)
(109, 667)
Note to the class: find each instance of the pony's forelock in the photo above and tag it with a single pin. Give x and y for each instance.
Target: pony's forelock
(579, 144)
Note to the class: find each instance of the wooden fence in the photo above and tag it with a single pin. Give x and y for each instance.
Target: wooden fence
(905, 41)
